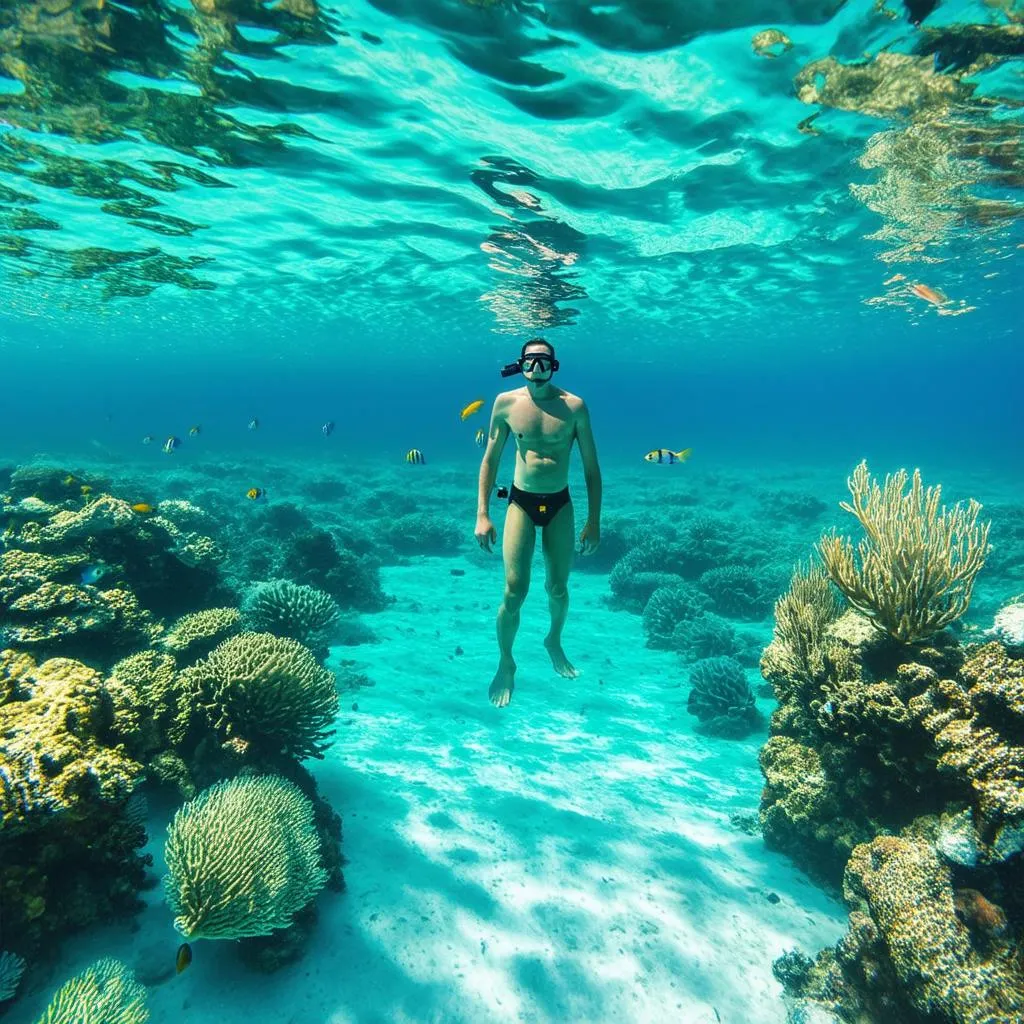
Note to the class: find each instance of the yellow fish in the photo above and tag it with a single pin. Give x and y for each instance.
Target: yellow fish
(473, 407)
(414, 457)
(667, 455)
(143, 508)
(195, 431)
(481, 437)
(255, 493)
(86, 490)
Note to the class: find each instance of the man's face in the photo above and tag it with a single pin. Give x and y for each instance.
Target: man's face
(537, 364)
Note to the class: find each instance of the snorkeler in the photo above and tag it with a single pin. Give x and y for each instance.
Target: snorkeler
(544, 420)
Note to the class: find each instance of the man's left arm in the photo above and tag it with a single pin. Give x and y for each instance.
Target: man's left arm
(591, 535)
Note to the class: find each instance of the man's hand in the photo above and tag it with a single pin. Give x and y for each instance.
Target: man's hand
(590, 538)
(485, 532)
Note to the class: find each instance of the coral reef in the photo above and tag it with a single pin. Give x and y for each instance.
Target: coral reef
(721, 698)
(667, 607)
(425, 533)
(69, 851)
(265, 696)
(106, 992)
(291, 610)
(913, 573)
(735, 591)
(250, 835)
(196, 634)
(313, 558)
(896, 767)
(12, 967)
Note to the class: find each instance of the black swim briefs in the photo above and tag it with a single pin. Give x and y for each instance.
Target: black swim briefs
(541, 508)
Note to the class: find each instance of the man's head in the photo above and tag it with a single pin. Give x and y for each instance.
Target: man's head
(538, 360)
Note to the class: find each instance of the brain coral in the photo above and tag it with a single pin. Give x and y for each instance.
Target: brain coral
(721, 698)
(266, 692)
(243, 857)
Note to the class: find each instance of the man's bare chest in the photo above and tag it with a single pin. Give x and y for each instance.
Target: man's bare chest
(533, 425)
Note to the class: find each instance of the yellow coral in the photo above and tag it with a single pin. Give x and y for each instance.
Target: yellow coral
(198, 627)
(242, 859)
(913, 573)
(106, 992)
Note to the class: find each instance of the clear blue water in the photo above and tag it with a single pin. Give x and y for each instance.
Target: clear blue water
(311, 211)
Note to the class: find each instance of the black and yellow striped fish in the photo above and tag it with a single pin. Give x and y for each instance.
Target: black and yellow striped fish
(414, 457)
(667, 455)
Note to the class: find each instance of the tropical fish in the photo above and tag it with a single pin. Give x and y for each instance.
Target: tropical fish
(414, 457)
(148, 439)
(69, 480)
(253, 423)
(894, 279)
(828, 707)
(922, 291)
(474, 406)
(143, 508)
(93, 573)
(86, 490)
(183, 958)
(328, 428)
(481, 437)
(667, 455)
(171, 443)
(195, 431)
(255, 493)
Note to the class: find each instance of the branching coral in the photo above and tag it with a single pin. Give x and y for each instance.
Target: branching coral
(266, 692)
(242, 858)
(914, 571)
(290, 609)
(104, 993)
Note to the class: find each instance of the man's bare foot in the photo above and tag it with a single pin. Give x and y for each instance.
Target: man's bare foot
(561, 663)
(503, 685)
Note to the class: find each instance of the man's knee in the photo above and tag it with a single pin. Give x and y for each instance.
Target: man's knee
(515, 593)
(557, 589)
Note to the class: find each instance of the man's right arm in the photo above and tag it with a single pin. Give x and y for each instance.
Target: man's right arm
(497, 435)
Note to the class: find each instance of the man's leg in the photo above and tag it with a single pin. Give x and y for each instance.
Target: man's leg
(517, 543)
(559, 543)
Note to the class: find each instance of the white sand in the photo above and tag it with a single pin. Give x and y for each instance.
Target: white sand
(568, 858)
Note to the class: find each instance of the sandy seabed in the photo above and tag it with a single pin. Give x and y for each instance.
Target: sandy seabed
(568, 858)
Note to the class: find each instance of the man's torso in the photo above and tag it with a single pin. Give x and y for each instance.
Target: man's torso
(543, 432)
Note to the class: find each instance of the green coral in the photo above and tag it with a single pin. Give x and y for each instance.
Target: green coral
(243, 858)
(104, 993)
(266, 692)
(12, 967)
(150, 707)
(194, 634)
(290, 609)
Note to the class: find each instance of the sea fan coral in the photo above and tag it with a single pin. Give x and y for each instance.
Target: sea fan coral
(243, 858)
(104, 993)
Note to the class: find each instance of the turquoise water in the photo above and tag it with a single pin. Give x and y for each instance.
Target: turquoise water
(788, 252)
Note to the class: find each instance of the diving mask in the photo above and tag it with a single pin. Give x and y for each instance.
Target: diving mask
(542, 361)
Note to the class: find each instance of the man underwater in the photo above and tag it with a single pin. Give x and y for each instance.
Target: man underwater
(544, 420)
